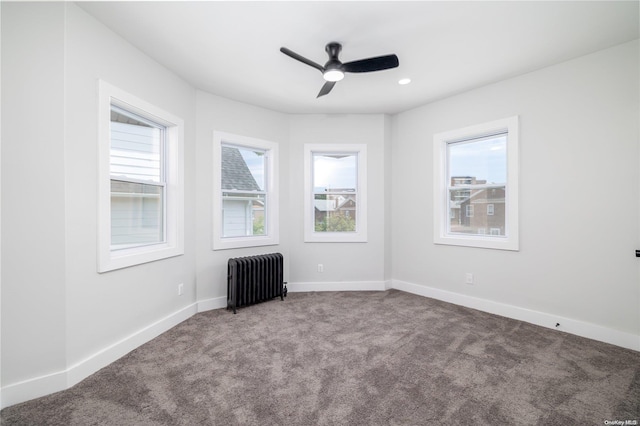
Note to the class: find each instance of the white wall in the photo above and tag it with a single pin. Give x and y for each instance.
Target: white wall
(61, 319)
(221, 114)
(578, 194)
(347, 266)
(33, 192)
(104, 308)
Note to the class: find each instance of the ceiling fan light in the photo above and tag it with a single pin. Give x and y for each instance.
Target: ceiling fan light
(333, 75)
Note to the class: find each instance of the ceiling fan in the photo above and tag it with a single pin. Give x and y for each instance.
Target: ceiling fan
(333, 71)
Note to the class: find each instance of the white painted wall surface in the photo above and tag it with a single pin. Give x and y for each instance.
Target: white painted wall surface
(342, 262)
(33, 191)
(102, 309)
(221, 114)
(61, 319)
(579, 175)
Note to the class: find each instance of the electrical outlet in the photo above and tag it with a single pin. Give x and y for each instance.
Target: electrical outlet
(180, 289)
(469, 278)
(320, 267)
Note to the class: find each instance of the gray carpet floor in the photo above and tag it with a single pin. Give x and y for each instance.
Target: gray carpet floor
(352, 358)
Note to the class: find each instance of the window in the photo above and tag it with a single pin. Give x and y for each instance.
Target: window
(469, 211)
(245, 192)
(475, 167)
(140, 181)
(335, 193)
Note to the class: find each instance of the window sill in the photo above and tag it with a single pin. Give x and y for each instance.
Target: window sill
(125, 258)
(243, 242)
(477, 241)
(335, 237)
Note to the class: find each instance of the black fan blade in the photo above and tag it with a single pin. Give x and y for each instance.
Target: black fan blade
(371, 64)
(326, 88)
(302, 59)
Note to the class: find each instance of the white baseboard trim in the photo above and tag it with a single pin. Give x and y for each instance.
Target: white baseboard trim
(44, 385)
(213, 303)
(33, 388)
(339, 286)
(568, 325)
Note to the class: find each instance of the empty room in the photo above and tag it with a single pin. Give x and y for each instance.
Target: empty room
(320, 213)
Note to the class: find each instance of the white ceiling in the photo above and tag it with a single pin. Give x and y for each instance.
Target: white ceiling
(231, 49)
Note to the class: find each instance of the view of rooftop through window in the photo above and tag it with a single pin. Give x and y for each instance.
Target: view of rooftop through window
(244, 191)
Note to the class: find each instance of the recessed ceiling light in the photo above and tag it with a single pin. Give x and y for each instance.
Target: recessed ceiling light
(404, 81)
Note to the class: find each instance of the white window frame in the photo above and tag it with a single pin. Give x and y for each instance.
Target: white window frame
(360, 234)
(272, 184)
(510, 241)
(490, 209)
(173, 244)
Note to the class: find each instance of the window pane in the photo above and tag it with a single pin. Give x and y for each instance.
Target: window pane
(334, 186)
(335, 212)
(243, 214)
(244, 173)
(335, 172)
(473, 209)
(478, 161)
(478, 211)
(136, 148)
(243, 169)
(137, 214)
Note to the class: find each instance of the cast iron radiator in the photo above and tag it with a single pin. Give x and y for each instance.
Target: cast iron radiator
(254, 279)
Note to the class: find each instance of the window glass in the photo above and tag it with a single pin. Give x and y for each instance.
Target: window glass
(244, 201)
(137, 214)
(477, 172)
(245, 192)
(335, 181)
(476, 185)
(141, 181)
(137, 180)
(335, 192)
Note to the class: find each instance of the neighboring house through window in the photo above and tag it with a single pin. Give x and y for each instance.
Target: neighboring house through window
(476, 186)
(335, 193)
(141, 190)
(245, 192)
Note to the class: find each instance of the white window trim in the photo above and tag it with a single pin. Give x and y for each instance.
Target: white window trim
(441, 214)
(272, 221)
(360, 235)
(174, 235)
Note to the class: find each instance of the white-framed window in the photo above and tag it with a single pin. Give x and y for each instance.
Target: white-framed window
(473, 166)
(140, 188)
(245, 192)
(469, 210)
(335, 208)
